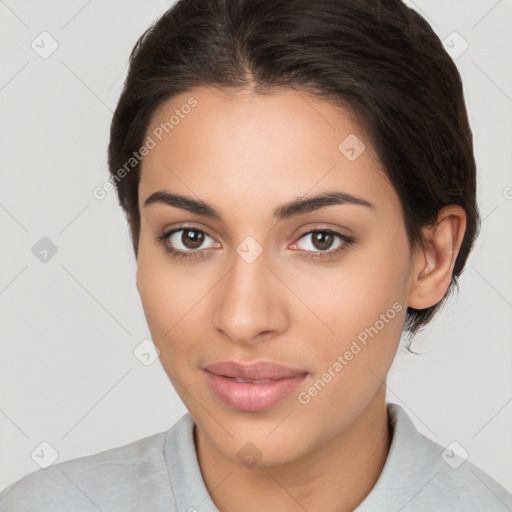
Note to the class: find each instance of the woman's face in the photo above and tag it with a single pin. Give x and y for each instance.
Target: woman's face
(252, 284)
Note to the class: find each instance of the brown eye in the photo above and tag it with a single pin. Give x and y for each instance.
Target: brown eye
(192, 238)
(187, 242)
(322, 240)
(323, 243)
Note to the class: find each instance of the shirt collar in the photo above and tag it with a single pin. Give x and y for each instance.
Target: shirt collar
(397, 484)
(409, 467)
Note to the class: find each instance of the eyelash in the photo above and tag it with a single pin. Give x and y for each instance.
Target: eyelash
(175, 253)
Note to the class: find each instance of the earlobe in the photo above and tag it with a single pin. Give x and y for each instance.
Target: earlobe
(433, 264)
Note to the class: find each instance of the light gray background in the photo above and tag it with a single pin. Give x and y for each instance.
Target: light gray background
(68, 375)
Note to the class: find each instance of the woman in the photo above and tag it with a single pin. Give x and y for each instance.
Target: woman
(300, 185)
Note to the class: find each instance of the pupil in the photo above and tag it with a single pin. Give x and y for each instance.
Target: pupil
(192, 239)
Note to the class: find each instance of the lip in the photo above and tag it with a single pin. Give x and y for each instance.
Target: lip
(261, 384)
(255, 370)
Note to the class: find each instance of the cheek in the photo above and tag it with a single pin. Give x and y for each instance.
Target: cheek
(161, 292)
(352, 297)
(362, 306)
(172, 300)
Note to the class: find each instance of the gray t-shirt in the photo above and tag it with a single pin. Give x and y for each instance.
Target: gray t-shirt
(160, 473)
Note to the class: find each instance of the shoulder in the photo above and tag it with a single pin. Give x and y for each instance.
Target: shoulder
(433, 477)
(456, 481)
(129, 477)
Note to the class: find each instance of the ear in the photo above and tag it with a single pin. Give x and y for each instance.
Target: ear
(433, 264)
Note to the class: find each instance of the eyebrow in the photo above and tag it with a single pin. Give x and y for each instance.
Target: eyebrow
(298, 206)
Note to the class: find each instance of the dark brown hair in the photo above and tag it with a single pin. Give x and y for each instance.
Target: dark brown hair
(379, 57)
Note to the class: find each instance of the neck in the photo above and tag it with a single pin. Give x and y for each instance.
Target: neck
(336, 477)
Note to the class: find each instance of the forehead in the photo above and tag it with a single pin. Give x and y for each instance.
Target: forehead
(237, 145)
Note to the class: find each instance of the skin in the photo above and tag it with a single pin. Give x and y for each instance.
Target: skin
(246, 154)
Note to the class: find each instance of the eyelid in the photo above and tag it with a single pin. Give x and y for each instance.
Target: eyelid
(325, 228)
(180, 227)
(189, 255)
(168, 233)
(346, 240)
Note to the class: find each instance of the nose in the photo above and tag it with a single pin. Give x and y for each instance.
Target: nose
(250, 302)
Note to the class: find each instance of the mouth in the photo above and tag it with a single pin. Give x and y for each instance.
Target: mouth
(254, 386)
(258, 381)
